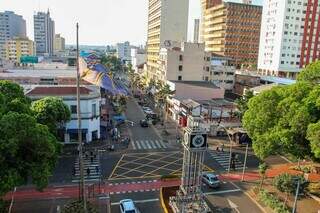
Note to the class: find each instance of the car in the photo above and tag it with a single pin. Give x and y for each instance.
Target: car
(145, 108)
(127, 206)
(211, 180)
(152, 116)
(144, 123)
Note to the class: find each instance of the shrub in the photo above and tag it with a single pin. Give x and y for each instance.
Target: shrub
(273, 202)
(288, 183)
(303, 168)
(77, 207)
(314, 188)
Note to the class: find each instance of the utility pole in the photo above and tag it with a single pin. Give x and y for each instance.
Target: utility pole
(82, 183)
(296, 197)
(245, 162)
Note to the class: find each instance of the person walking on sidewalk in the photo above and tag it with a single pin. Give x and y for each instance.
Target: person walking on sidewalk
(88, 171)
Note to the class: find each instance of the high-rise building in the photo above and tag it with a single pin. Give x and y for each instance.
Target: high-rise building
(11, 25)
(167, 20)
(233, 30)
(44, 31)
(196, 31)
(289, 36)
(59, 43)
(17, 47)
(124, 51)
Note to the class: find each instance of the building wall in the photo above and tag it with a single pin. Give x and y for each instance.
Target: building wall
(59, 43)
(44, 31)
(11, 25)
(124, 51)
(138, 57)
(233, 30)
(17, 47)
(196, 30)
(186, 62)
(289, 36)
(167, 20)
(186, 91)
(243, 82)
(222, 74)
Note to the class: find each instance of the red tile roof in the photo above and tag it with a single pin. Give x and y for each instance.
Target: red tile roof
(42, 90)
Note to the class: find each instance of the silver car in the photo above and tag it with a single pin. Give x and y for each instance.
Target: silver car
(211, 180)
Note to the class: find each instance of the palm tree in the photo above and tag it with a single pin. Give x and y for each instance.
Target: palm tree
(161, 97)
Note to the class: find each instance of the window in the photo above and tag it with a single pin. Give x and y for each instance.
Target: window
(179, 78)
(73, 109)
(94, 110)
(180, 57)
(207, 69)
(180, 67)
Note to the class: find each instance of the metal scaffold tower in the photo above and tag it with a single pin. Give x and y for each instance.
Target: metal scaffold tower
(189, 198)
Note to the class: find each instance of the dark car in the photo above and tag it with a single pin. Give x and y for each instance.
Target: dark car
(144, 123)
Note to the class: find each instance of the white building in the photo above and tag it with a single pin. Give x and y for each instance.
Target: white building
(196, 30)
(44, 31)
(167, 20)
(138, 58)
(11, 25)
(184, 62)
(222, 72)
(124, 51)
(89, 105)
(289, 36)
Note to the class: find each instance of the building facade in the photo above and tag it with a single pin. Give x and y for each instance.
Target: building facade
(90, 99)
(183, 62)
(222, 72)
(167, 20)
(196, 30)
(17, 47)
(233, 30)
(59, 43)
(138, 58)
(44, 31)
(124, 51)
(11, 25)
(289, 36)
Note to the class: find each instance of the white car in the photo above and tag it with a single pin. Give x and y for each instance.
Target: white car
(127, 206)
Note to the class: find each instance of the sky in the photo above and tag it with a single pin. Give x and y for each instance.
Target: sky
(101, 22)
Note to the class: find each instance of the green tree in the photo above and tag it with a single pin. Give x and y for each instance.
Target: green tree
(27, 149)
(284, 183)
(313, 136)
(112, 62)
(51, 111)
(242, 103)
(278, 120)
(311, 73)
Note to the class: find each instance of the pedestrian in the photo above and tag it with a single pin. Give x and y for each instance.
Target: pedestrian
(88, 171)
(97, 169)
(91, 159)
(222, 146)
(94, 156)
(74, 171)
(91, 153)
(217, 149)
(86, 155)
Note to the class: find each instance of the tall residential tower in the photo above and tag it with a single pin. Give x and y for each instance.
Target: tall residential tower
(11, 25)
(196, 30)
(167, 20)
(44, 32)
(289, 36)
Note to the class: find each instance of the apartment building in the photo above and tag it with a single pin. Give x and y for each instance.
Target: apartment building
(138, 58)
(289, 36)
(124, 51)
(232, 30)
(59, 43)
(44, 32)
(11, 25)
(167, 20)
(184, 62)
(196, 30)
(17, 47)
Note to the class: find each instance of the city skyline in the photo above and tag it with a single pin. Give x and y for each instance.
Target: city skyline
(106, 24)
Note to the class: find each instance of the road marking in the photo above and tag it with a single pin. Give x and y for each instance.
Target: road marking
(143, 145)
(158, 144)
(138, 201)
(133, 145)
(148, 145)
(138, 143)
(153, 144)
(164, 146)
(222, 192)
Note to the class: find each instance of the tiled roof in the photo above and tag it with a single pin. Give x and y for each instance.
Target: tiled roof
(67, 90)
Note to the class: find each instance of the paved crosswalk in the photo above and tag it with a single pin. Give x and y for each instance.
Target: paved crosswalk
(148, 144)
(223, 158)
(92, 170)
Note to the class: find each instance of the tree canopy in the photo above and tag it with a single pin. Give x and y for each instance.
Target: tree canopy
(27, 148)
(242, 103)
(286, 119)
(112, 62)
(52, 112)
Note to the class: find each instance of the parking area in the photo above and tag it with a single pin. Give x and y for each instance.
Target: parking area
(149, 165)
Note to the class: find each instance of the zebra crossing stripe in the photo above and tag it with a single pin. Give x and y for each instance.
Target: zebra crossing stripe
(133, 145)
(157, 143)
(164, 146)
(143, 145)
(138, 144)
(148, 145)
(153, 145)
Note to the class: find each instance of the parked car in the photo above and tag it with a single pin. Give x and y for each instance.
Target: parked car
(152, 116)
(144, 123)
(128, 206)
(211, 180)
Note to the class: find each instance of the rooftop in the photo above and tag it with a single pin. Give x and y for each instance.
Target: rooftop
(38, 73)
(58, 90)
(198, 83)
